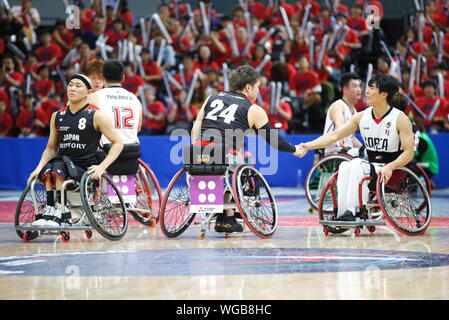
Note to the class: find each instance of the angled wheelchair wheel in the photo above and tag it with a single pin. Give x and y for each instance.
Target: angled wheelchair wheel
(255, 201)
(405, 202)
(30, 207)
(422, 175)
(149, 196)
(319, 174)
(175, 216)
(328, 205)
(104, 206)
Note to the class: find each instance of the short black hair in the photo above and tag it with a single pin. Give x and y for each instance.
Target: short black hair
(386, 84)
(347, 77)
(242, 76)
(399, 102)
(429, 83)
(113, 71)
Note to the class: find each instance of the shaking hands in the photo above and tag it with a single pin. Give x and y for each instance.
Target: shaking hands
(301, 150)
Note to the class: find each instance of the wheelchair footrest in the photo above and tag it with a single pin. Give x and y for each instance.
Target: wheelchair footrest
(353, 224)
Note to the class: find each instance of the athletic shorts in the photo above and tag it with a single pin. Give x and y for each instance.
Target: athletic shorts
(57, 167)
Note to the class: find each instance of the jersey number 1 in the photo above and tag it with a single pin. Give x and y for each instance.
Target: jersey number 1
(123, 118)
(227, 114)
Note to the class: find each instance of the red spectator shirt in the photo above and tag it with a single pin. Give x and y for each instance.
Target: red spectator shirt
(155, 108)
(6, 123)
(45, 54)
(133, 83)
(43, 87)
(114, 37)
(17, 76)
(426, 105)
(276, 119)
(300, 82)
(257, 9)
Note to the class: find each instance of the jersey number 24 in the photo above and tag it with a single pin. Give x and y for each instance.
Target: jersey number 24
(228, 113)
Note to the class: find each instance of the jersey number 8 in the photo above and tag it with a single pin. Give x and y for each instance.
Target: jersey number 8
(227, 114)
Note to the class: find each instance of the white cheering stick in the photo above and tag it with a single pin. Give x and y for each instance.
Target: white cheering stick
(368, 76)
(286, 23)
(322, 51)
(161, 26)
(131, 51)
(306, 17)
(421, 23)
(278, 96)
(411, 81)
(174, 81)
(205, 19)
(140, 66)
(152, 44)
(183, 75)
(6, 5)
(248, 23)
(272, 97)
(417, 6)
(435, 108)
(167, 86)
(225, 77)
(233, 40)
(441, 92)
(385, 49)
(441, 49)
(161, 52)
(414, 106)
(120, 50)
(267, 36)
(143, 32)
(143, 100)
(117, 4)
(103, 8)
(312, 51)
(248, 44)
(191, 89)
(263, 63)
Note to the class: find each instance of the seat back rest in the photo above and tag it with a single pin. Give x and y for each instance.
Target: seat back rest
(127, 162)
(205, 160)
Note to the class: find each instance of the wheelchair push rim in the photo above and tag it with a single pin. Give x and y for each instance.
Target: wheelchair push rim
(28, 203)
(332, 213)
(257, 208)
(175, 216)
(313, 177)
(109, 219)
(149, 196)
(405, 202)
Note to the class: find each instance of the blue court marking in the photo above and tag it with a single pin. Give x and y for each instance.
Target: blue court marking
(219, 261)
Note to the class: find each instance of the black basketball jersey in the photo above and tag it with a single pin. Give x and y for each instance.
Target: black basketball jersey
(226, 119)
(77, 137)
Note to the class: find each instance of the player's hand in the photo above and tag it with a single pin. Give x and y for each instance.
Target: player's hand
(301, 151)
(386, 173)
(96, 170)
(33, 175)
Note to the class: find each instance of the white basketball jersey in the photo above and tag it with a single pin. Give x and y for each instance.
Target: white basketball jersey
(329, 126)
(382, 141)
(125, 111)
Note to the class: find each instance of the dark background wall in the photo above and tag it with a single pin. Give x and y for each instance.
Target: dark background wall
(52, 9)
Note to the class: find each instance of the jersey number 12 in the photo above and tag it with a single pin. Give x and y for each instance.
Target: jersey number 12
(123, 118)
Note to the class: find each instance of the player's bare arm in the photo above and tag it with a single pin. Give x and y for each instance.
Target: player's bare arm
(404, 128)
(50, 149)
(103, 124)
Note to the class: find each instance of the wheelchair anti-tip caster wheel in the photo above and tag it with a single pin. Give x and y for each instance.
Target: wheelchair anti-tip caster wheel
(153, 222)
(357, 232)
(89, 234)
(326, 231)
(65, 236)
(202, 235)
(371, 229)
(311, 210)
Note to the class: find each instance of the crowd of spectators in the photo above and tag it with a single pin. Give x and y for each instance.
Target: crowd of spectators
(179, 55)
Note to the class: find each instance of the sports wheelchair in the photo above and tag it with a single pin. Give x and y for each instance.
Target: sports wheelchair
(208, 177)
(404, 201)
(95, 204)
(327, 165)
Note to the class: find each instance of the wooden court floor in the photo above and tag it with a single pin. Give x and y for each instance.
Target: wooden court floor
(298, 263)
